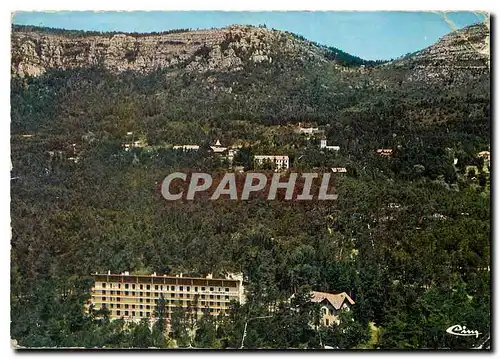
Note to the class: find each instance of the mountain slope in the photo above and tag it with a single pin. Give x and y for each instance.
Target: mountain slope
(194, 80)
(462, 53)
(35, 50)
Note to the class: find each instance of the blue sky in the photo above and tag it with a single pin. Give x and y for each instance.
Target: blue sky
(369, 35)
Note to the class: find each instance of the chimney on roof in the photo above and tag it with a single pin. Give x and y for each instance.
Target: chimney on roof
(126, 273)
(180, 275)
(209, 275)
(109, 272)
(154, 274)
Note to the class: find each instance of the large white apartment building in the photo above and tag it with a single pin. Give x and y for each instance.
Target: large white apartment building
(134, 297)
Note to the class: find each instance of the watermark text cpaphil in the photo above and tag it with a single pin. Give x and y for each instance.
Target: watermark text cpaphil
(234, 186)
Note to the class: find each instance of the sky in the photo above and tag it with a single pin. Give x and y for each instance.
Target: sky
(369, 35)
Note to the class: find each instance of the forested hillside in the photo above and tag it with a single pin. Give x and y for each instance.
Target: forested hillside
(408, 238)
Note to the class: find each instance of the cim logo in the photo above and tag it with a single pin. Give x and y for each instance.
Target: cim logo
(245, 186)
(462, 331)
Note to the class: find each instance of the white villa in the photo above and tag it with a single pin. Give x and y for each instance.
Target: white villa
(339, 169)
(280, 162)
(218, 148)
(187, 147)
(226, 152)
(324, 145)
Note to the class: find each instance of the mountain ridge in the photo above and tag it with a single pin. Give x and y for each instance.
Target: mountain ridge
(37, 49)
(465, 50)
(33, 52)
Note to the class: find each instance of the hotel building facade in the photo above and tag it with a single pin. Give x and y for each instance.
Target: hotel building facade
(134, 297)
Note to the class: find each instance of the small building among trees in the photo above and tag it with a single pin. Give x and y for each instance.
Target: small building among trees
(332, 305)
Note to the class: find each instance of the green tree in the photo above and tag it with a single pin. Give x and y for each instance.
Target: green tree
(141, 335)
(206, 332)
(180, 327)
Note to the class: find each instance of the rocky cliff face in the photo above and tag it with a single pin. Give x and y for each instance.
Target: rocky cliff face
(462, 53)
(34, 52)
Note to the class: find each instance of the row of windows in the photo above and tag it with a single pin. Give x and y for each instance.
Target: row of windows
(140, 306)
(160, 287)
(172, 295)
(141, 314)
(148, 314)
(132, 306)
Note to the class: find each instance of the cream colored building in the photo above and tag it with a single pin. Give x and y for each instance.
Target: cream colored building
(135, 144)
(385, 152)
(134, 297)
(486, 156)
(308, 131)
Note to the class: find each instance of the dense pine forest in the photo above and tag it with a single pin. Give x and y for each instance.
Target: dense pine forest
(408, 238)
